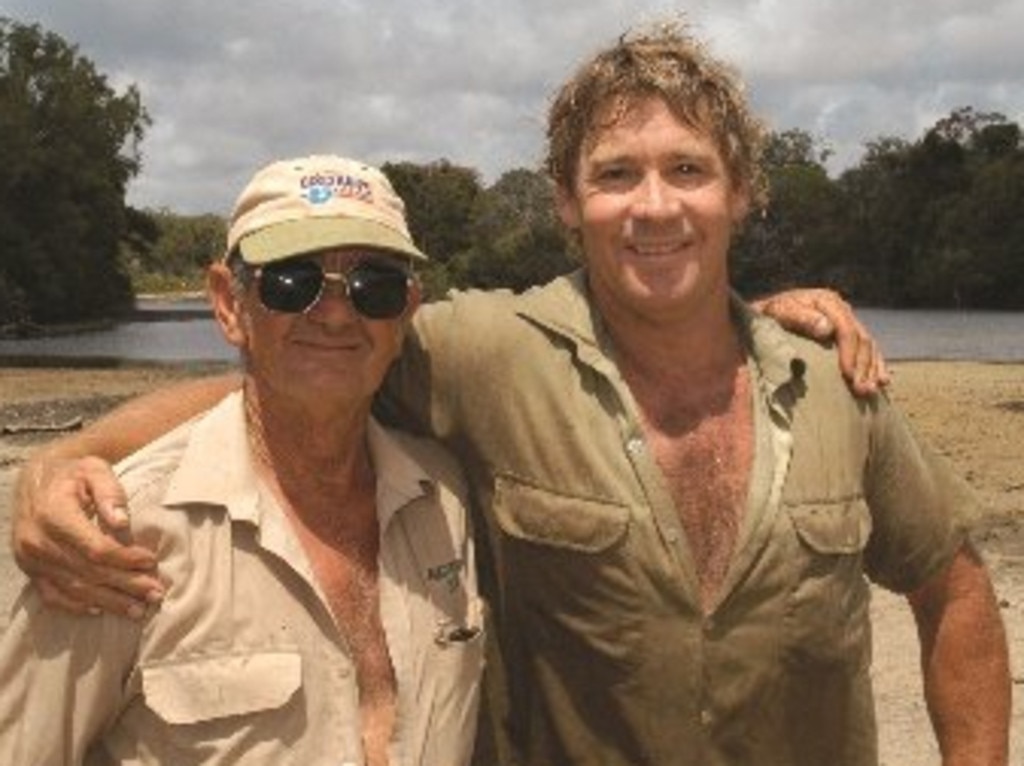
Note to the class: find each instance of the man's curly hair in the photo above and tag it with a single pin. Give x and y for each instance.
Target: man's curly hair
(663, 61)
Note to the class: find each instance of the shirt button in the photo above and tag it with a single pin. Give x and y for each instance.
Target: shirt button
(706, 717)
(672, 536)
(635, 446)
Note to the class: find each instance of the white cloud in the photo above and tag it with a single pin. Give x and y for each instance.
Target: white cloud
(232, 85)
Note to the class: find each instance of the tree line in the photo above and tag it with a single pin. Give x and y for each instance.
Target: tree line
(933, 222)
(936, 222)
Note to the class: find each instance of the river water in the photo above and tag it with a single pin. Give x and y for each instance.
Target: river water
(184, 331)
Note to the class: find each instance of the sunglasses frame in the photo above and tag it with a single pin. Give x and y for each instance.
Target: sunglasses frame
(346, 278)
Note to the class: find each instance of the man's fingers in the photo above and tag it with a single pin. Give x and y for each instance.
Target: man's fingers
(882, 372)
(102, 493)
(92, 545)
(858, 353)
(53, 596)
(69, 526)
(864, 380)
(110, 568)
(66, 590)
(824, 315)
(810, 322)
(71, 536)
(852, 344)
(860, 357)
(106, 588)
(799, 311)
(107, 565)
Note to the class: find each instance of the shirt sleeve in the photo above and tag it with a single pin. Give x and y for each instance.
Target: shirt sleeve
(63, 680)
(920, 505)
(415, 395)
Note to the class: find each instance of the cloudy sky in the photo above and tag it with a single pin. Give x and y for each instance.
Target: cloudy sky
(232, 85)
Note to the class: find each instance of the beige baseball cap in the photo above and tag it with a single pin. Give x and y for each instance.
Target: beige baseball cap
(315, 203)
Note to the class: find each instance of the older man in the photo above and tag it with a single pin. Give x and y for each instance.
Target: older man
(321, 603)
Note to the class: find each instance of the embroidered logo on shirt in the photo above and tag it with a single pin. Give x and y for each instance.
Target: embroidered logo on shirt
(448, 574)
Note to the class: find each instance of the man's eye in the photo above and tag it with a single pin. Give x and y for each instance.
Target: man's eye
(613, 173)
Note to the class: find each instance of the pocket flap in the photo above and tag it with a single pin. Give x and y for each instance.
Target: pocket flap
(833, 527)
(541, 516)
(201, 689)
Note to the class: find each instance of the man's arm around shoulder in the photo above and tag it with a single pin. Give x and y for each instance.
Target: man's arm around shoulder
(60, 491)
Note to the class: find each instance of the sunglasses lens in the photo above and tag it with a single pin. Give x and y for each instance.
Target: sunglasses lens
(290, 286)
(378, 291)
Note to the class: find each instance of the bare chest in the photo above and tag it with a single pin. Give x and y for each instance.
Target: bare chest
(347, 573)
(704, 450)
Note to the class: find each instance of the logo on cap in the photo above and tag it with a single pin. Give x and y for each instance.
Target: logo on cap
(320, 188)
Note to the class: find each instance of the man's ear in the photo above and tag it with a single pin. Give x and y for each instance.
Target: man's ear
(415, 298)
(227, 308)
(568, 208)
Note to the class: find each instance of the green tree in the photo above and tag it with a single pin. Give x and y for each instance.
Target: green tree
(936, 222)
(141, 234)
(977, 258)
(68, 147)
(995, 141)
(794, 148)
(179, 253)
(795, 240)
(876, 209)
(517, 239)
(439, 199)
(898, 197)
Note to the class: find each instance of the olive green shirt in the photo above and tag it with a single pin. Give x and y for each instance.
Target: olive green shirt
(605, 654)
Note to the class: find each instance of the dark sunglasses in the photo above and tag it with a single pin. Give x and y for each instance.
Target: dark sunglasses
(376, 290)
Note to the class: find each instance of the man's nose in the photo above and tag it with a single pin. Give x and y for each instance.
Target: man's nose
(655, 198)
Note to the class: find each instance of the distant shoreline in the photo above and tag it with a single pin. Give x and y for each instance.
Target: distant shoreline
(973, 412)
(29, 330)
(177, 295)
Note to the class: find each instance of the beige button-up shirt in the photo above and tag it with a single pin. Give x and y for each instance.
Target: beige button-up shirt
(243, 663)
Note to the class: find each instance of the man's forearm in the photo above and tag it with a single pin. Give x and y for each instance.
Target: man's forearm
(965, 663)
(140, 420)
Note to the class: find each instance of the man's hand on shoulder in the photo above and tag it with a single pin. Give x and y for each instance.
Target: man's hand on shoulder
(70, 535)
(824, 315)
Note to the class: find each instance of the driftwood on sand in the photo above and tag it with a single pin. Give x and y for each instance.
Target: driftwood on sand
(72, 424)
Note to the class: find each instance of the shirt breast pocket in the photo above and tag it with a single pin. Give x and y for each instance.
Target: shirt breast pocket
(561, 522)
(826, 617)
(569, 570)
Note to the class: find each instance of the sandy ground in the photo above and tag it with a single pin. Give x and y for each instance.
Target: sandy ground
(972, 413)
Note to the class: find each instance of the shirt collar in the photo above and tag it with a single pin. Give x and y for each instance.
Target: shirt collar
(563, 307)
(401, 478)
(216, 467)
